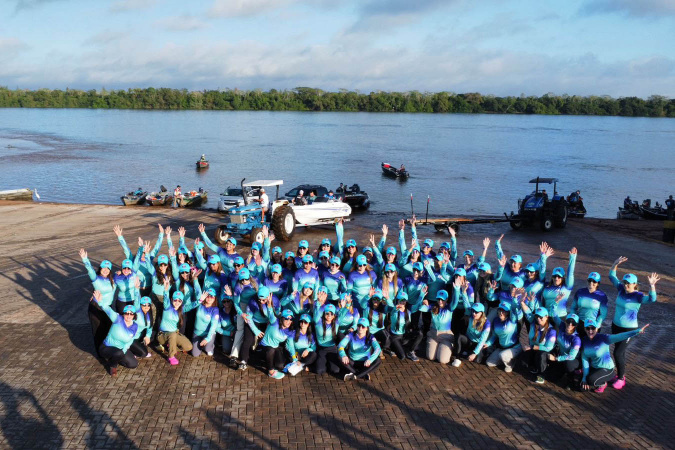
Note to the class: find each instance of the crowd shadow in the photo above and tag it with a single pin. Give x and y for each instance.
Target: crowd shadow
(103, 430)
(22, 430)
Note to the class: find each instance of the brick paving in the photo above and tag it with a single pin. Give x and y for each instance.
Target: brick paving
(55, 394)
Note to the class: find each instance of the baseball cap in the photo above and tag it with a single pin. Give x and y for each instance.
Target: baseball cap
(558, 272)
(184, 268)
(335, 260)
(442, 295)
(289, 255)
(127, 264)
(178, 295)
(485, 267)
(505, 306)
(307, 258)
(232, 240)
(145, 301)
(129, 308)
(361, 260)
(305, 318)
(351, 243)
(244, 274)
(324, 254)
(517, 283)
(478, 307)
(308, 285)
(325, 241)
(378, 293)
(367, 249)
(590, 323)
(105, 264)
(390, 268)
(630, 278)
(239, 260)
(287, 314)
(573, 317)
(363, 322)
(531, 268)
(418, 266)
(303, 244)
(468, 253)
(263, 292)
(516, 259)
(214, 259)
(428, 242)
(391, 250)
(460, 271)
(541, 312)
(163, 259)
(255, 246)
(276, 249)
(329, 308)
(595, 276)
(276, 268)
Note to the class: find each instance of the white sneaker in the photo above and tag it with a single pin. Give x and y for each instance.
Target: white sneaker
(456, 363)
(508, 369)
(349, 377)
(149, 355)
(209, 353)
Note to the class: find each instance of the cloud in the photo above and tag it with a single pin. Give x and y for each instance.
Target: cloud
(246, 8)
(374, 16)
(11, 47)
(637, 8)
(131, 5)
(22, 5)
(183, 22)
(106, 37)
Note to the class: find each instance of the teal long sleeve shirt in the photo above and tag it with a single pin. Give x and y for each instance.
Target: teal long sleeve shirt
(297, 347)
(359, 349)
(627, 305)
(101, 284)
(120, 335)
(595, 353)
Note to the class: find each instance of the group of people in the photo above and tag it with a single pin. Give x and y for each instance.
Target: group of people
(342, 307)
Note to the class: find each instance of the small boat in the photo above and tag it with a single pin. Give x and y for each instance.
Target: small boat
(161, 198)
(354, 196)
(136, 197)
(202, 164)
(654, 213)
(192, 198)
(17, 194)
(578, 211)
(628, 214)
(391, 171)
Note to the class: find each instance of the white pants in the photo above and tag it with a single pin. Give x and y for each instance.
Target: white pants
(505, 356)
(439, 346)
(238, 337)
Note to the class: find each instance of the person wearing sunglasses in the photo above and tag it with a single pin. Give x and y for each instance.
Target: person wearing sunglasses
(102, 281)
(303, 250)
(403, 337)
(214, 277)
(233, 277)
(440, 339)
(140, 261)
(590, 303)
(144, 332)
(207, 321)
(125, 285)
(390, 283)
(326, 329)
(462, 289)
(598, 367)
(276, 283)
(289, 268)
(326, 246)
(259, 314)
(173, 320)
(359, 353)
(346, 251)
(115, 348)
(347, 316)
(627, 305)
(187, 283)
(542, 339)
(227, 253)
(564, 359)
(161, 272)
(334, 280)
(376, 313)
(555, 295)
(535, 276)
(227, 327)
(504, 336)
(324, 263)
(416, 288)
(359, 282)
(307, 274)
(278, 332)
(474, 341)
(300, 302)
(258, 260)
(302, 345)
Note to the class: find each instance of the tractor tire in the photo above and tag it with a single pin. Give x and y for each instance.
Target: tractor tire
(455, 226)
(516, 224)
(283, 223)
(440, 227)
(221, 235)
(561, 217)
(256, 235)
(546, 223)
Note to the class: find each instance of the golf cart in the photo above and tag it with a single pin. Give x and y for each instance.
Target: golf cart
(539, 208)
(282, 216)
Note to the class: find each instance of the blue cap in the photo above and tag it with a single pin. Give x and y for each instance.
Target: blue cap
(263, 292)
(184, 268)
(478, 307)
(182, 249)
(214, 259)
(163, 259)
(127, 264)
(573, 317)
(232, 240)
(276, 249)
(390, 268)
(307, 258)
(460, 271)
(558, 272)
(516, 258)
(361, 260)
(308, 285)
(325, 241)
(276, 268)
(287, 314)
(244, 274)
(367, 249)
(324, 254)
(323, 289)
(335, 260)
(256, 246)
(329, 308)
(418, 266)
(445, 245)
(363, 322)
(305, 318)
(428, 242)
(211, 292)
(531, 268)
(517, 283)
(378, 293)
(303, 244)
(468, 253)
(485, 267)
(415, 249)
(289, 255)
(199, 245)
(105, 264)
(541, 312)
(351, 243)
(178, 295)
(344, 295)
(391, 250)
(129, 308)
(628, 278)
(505, 306)
(590, 323)
(145, 301)
(595, 276)
(401, 296)
(442, 295)
(239, 260)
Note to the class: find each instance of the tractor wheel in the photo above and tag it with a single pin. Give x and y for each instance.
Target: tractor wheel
(561, 217)
(516, 224)
(221, 235)
(256, 236)
(283, 223)
(546, 223)
(440, 227)
(455, 226)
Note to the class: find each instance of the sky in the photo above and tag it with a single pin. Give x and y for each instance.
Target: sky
(502, 47)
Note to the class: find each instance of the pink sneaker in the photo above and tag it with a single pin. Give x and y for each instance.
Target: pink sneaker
(601, 389)
(619, 383)
(173, 361)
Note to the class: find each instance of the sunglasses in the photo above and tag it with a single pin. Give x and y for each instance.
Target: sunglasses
(360, 326)
(163, 264)
(238, 265)
(306, 262)
(333, 264)
(145, 305)
(328, 313)
(571, 322)
(475, 312)
(593, 281)
(590, 328)
(288, 318)
(177, 300)
(362, 265)
(129, 314)
(556, 276)
(227, 301)
(304, 321)
(325, 245)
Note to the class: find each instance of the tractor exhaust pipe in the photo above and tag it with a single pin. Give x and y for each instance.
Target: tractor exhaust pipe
(243, 191)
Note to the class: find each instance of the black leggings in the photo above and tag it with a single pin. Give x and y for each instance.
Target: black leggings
(536, 359)
(620, 350)
(426, 320)
(115, 356)
(275, 358)
(309, 359)
(598, 377)
(359, 368)
(138, 348)
(410, 340)
(459, 322)
(100, 325)
(560, 368)
(382, 338)
(327, 355)
(463, 343)
(249, 340)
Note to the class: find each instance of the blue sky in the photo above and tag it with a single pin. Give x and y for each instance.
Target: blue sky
(581, 47)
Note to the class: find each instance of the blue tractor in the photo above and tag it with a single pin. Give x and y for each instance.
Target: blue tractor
(540, 208)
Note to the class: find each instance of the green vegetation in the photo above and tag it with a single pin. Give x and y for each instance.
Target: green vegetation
(309, 99)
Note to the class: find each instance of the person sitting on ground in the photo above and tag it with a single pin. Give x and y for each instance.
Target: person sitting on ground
(359, 352)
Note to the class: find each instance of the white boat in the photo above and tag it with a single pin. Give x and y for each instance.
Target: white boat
(17, 194)
(321, 211)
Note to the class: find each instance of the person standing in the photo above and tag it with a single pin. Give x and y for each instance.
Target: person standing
(177, 196)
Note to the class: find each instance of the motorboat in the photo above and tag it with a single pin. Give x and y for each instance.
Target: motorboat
(354, 196)
(321, 211)
(136, 197)
(192, 198)
(17, 194)
(160, 198)
(392, 172)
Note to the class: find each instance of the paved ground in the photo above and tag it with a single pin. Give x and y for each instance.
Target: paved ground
(54, 393)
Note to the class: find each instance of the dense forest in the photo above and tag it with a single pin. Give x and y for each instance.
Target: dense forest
(310, 99)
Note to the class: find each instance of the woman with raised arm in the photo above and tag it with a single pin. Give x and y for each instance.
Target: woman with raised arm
(359, 352)
(227, 254)
(207, 321)
(259, 314)
(474, 341)
(126, 285)
(360, 281)
(561, 283)
(470, 264)
(103, 282)
(115, 348)
(140, 266)
(598, 367)
(215, 277)
(542, 339)
(628, 302)
(590, 303)
(299, 302)
(504, 335)
(514, 269)
(536, 275)
(160, 272)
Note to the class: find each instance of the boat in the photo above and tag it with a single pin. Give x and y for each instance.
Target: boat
(354, 196)
(192, 198)
(654, 213)
(391, 171)
(321, 211)
(578, 211)
(160, 198)
(17, 194)
(628, 214)
(202, 164)
(136, 197)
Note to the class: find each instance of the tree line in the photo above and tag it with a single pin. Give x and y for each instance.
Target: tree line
(311, 99)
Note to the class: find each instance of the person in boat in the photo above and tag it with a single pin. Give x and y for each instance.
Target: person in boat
(330, 195)
(402, 168)
(203, 158)
(311, 198)
(300, 200)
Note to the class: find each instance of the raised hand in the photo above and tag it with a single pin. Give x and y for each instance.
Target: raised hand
(465, 286)
(653, 279)
(642, 330)
(322, 297)
(413, 244)
(181, 232)
(413, 221)
(271, 237)
(167, 284)
(486, 242)
(265, 231)
(493, 285)
(83, 253)
(385, 230)
(619, 260)
(118, 230)
(500, 239)
(425, 302)
(167, 230)
(197, 241)
(457, 283)
(452, 232)
(96, 296)
(573, 251)
(201, 228)
(227, 290)
(372, 240)
(161, 229)
(140, 241)
(401, 224)
(203, 296)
